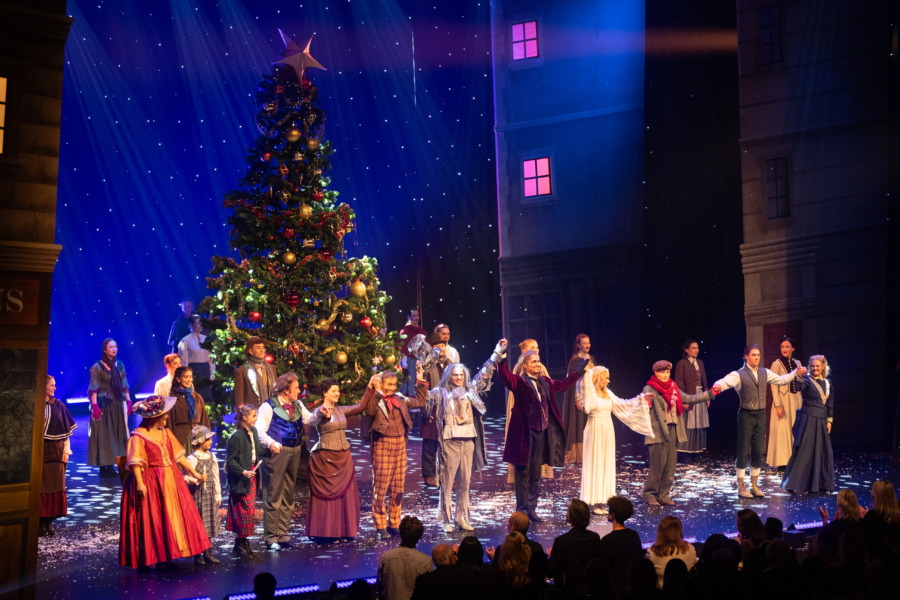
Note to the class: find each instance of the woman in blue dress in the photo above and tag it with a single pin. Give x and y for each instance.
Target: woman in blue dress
(811, 466)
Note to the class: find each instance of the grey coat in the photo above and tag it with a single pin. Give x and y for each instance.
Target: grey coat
(658, 415)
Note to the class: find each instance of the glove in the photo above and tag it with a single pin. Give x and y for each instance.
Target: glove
(95, 411)
(582, 366)
(499, 353)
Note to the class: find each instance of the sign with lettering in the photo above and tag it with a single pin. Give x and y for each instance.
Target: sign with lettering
(19, 300)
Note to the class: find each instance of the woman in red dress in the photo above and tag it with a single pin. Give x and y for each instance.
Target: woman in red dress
(160, 521)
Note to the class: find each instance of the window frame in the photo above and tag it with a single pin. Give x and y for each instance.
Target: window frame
(783, 200)
(768, 44)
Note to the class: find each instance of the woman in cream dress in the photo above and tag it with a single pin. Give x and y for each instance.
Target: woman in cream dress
(598, 473)
(786, 400)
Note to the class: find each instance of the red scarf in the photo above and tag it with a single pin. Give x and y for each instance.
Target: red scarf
(667, 390)
(391, 402)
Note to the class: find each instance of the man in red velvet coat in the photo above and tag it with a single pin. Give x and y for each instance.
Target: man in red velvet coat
(536, 435)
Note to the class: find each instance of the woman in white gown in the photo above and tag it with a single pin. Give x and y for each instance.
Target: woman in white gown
(598, 473)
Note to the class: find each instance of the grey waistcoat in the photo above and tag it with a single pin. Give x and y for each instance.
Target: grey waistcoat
(753, 392)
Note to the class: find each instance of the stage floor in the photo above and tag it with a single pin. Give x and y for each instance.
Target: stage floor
(82, 560)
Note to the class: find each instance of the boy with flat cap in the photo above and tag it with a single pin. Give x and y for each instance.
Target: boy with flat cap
(666, 410)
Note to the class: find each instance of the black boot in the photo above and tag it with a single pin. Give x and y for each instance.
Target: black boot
(42, 527)
(240, 548)
(247, 547)
(208, 555)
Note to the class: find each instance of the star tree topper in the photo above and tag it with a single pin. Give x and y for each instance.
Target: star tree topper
(296, 57)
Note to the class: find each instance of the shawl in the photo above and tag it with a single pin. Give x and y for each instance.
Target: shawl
(188, 394)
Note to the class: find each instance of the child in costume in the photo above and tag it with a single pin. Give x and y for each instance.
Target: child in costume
(207, 494)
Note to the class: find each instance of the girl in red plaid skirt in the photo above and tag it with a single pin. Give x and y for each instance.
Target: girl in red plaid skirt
(244, 452)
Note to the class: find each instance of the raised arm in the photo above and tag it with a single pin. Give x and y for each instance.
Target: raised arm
(355, 409)
(561, 385)
(773, 379)
(732, 380)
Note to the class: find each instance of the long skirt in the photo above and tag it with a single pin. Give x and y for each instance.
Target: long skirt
(241, 510)
(108, 435)
(598, 473)
(696, 422)
(333, 510)
(54, 503)
(811, 466)
(162, 525)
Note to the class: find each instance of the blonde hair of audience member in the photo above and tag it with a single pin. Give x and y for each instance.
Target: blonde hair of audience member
(847, 506)
(669, 537)
(884, 501)
(513, 562)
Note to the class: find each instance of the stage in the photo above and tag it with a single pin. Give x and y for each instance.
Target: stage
(81, 561)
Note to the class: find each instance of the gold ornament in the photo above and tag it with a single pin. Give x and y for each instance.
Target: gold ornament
(322, 324)
(305, 211)
(358, 289)
(346, 317)
(390, 359)
(289, 258)
(292, 135)
(340, 358)
(312, 143)
(376, 360)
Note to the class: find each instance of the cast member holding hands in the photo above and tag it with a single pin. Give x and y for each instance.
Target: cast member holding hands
(536, 434)
(750, 383)
(458, 411)
(667, 419)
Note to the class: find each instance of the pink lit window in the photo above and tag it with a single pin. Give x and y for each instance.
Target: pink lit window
(525, 40)
(537, 177)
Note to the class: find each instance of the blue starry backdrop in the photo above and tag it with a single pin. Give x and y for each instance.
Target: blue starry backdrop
(157, 117)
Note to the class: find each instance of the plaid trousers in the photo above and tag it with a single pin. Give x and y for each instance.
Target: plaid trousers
(388, 472)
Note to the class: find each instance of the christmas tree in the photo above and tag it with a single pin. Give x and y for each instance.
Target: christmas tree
(321, 313)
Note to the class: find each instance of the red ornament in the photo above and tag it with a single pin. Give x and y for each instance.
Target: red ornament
(305, 83)
(366, 322)
(317, 196)
(254, 316)
(292, 299)
(326, 254)
(269, 358)
(289, 232)
(279, 89)
(266, 156)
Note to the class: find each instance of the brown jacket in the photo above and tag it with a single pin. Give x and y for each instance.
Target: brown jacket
(180, 422)
(243, 389)
(375, 407)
